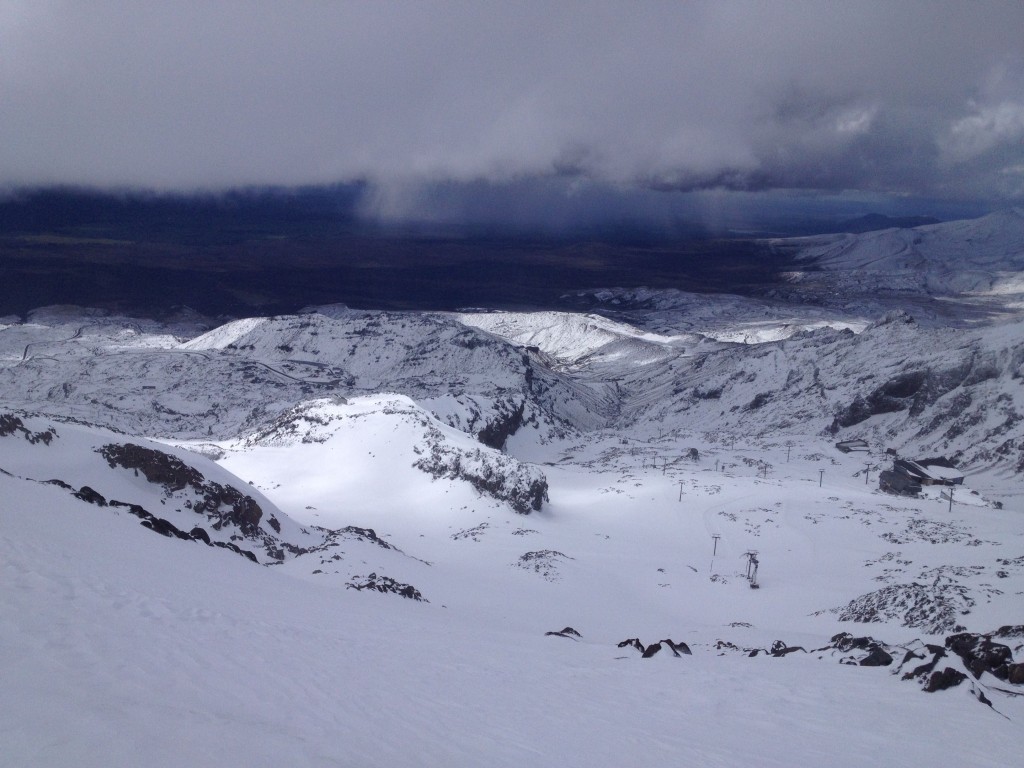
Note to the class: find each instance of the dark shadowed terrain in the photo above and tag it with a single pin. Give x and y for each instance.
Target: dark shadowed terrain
(275, 253)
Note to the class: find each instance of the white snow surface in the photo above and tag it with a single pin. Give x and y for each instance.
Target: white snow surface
(361, 434)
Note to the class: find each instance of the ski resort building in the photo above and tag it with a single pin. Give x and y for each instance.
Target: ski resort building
(891, 481)
(848, 446)
(937, 471)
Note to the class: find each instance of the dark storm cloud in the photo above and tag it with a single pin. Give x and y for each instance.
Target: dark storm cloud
(908, 98)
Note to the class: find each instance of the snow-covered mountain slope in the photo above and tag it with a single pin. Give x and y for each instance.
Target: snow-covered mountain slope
(170, 491)
(121, 648)
(327, 449)
(573, 339)
(234, 378)
(980, 259)
(118, 643)
(511, 538)
(916, 389)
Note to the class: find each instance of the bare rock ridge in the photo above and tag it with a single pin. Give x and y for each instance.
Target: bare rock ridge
(221, 504)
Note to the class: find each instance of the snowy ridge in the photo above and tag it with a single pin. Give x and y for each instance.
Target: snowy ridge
(225, 335)
(343, 434)
(980, 257)
(570, 338)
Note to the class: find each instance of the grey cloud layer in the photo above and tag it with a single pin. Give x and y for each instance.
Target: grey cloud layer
(905, 98)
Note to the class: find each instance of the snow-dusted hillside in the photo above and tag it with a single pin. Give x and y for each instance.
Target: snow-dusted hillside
(503, 538)
(979, 261)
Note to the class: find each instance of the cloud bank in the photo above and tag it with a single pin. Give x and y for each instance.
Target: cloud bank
(906, 99)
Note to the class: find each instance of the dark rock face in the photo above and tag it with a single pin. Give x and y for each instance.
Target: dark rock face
(780, 649)
(1015, 674)
(362, 534)
(652, 649)
(646, 652)
(221, 504)
(500, 477)
(495, 433)
(386, 584)
(947, 678)
(981, 655)
(633, 642)
(87, 494)
(935, 607)
(877, 657)
(157, 467)
(678, 649)
(566, 632)
(166, 528)
(914, 391)
(544, 562)
(12, 425)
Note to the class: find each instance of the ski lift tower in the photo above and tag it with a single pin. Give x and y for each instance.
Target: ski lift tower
(752, 563)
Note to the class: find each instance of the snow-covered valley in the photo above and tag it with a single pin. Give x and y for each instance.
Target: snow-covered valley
(403, 538)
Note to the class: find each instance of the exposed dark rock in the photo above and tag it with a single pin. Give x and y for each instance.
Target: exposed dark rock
(523, 488)
(497, 432)
(1015, 674)
(947, 678)
(980, 654)
(760, 399)
(914, 391)
(167, 528)
(164, 528)
(780, 649)
(85, 493)
(934, 607)
(362, 534)
(633, 642)
(11, 424)
(652, 649)
(385, 584)
(678, 649)
(543, 562)
(236, 549)
(567, 632)
(937, 651)
(877, 654)
(222, 505)
(877, 657)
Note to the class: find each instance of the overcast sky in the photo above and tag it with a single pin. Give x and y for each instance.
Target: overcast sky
(897, 97)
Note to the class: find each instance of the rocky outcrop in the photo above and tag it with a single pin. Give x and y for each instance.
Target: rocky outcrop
(646, 652)
(221, 504)
(981, 654)
(387, 585)
(12, 425)
(505, 424)
(933, 608)
(568, 632)
(523, 487)
(544, 562)
(916, 390)
(156, 524)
